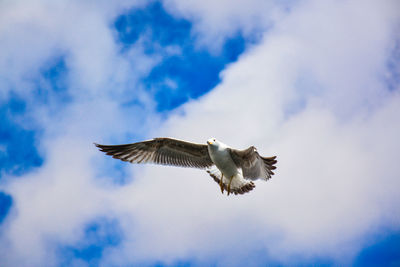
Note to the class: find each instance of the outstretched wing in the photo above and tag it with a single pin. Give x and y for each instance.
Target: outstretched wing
(253, 165)
(164, 151)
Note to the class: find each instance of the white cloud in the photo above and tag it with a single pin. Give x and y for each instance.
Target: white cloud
(214, 21)
(315, 97)
(33, 33)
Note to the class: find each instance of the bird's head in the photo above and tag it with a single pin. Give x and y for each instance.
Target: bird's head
(212, 142)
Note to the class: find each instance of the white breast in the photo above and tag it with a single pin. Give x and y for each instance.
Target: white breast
(222, 159)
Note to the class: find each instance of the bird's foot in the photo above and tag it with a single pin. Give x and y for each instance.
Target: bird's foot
(221, 184)
(229, 185)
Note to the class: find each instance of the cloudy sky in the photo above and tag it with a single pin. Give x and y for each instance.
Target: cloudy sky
(316, 83)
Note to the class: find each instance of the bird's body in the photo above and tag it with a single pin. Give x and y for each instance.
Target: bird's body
(232, 169)
(220, 155)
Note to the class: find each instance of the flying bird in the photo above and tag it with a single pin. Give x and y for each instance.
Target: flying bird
(234, 170)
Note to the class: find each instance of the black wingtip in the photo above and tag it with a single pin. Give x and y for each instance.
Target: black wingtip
(97, 145)
(100, 147)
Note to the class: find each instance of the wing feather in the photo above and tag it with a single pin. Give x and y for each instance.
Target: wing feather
(164, 151)
(253, 165)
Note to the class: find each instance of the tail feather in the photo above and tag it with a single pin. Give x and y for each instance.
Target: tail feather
(244, 187)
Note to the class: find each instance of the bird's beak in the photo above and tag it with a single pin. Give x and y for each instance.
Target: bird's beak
(208, 142)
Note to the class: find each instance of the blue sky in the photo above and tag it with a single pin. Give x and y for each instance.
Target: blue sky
(321, 86)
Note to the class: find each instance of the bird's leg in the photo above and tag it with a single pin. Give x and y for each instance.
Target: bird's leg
(229, 185)
(221, 183)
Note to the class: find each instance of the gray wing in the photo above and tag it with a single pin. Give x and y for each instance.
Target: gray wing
(164, 151)
(253, 165)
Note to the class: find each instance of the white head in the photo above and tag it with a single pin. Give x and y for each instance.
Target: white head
(212, 142)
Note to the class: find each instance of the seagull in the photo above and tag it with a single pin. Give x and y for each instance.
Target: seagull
(234, 170)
